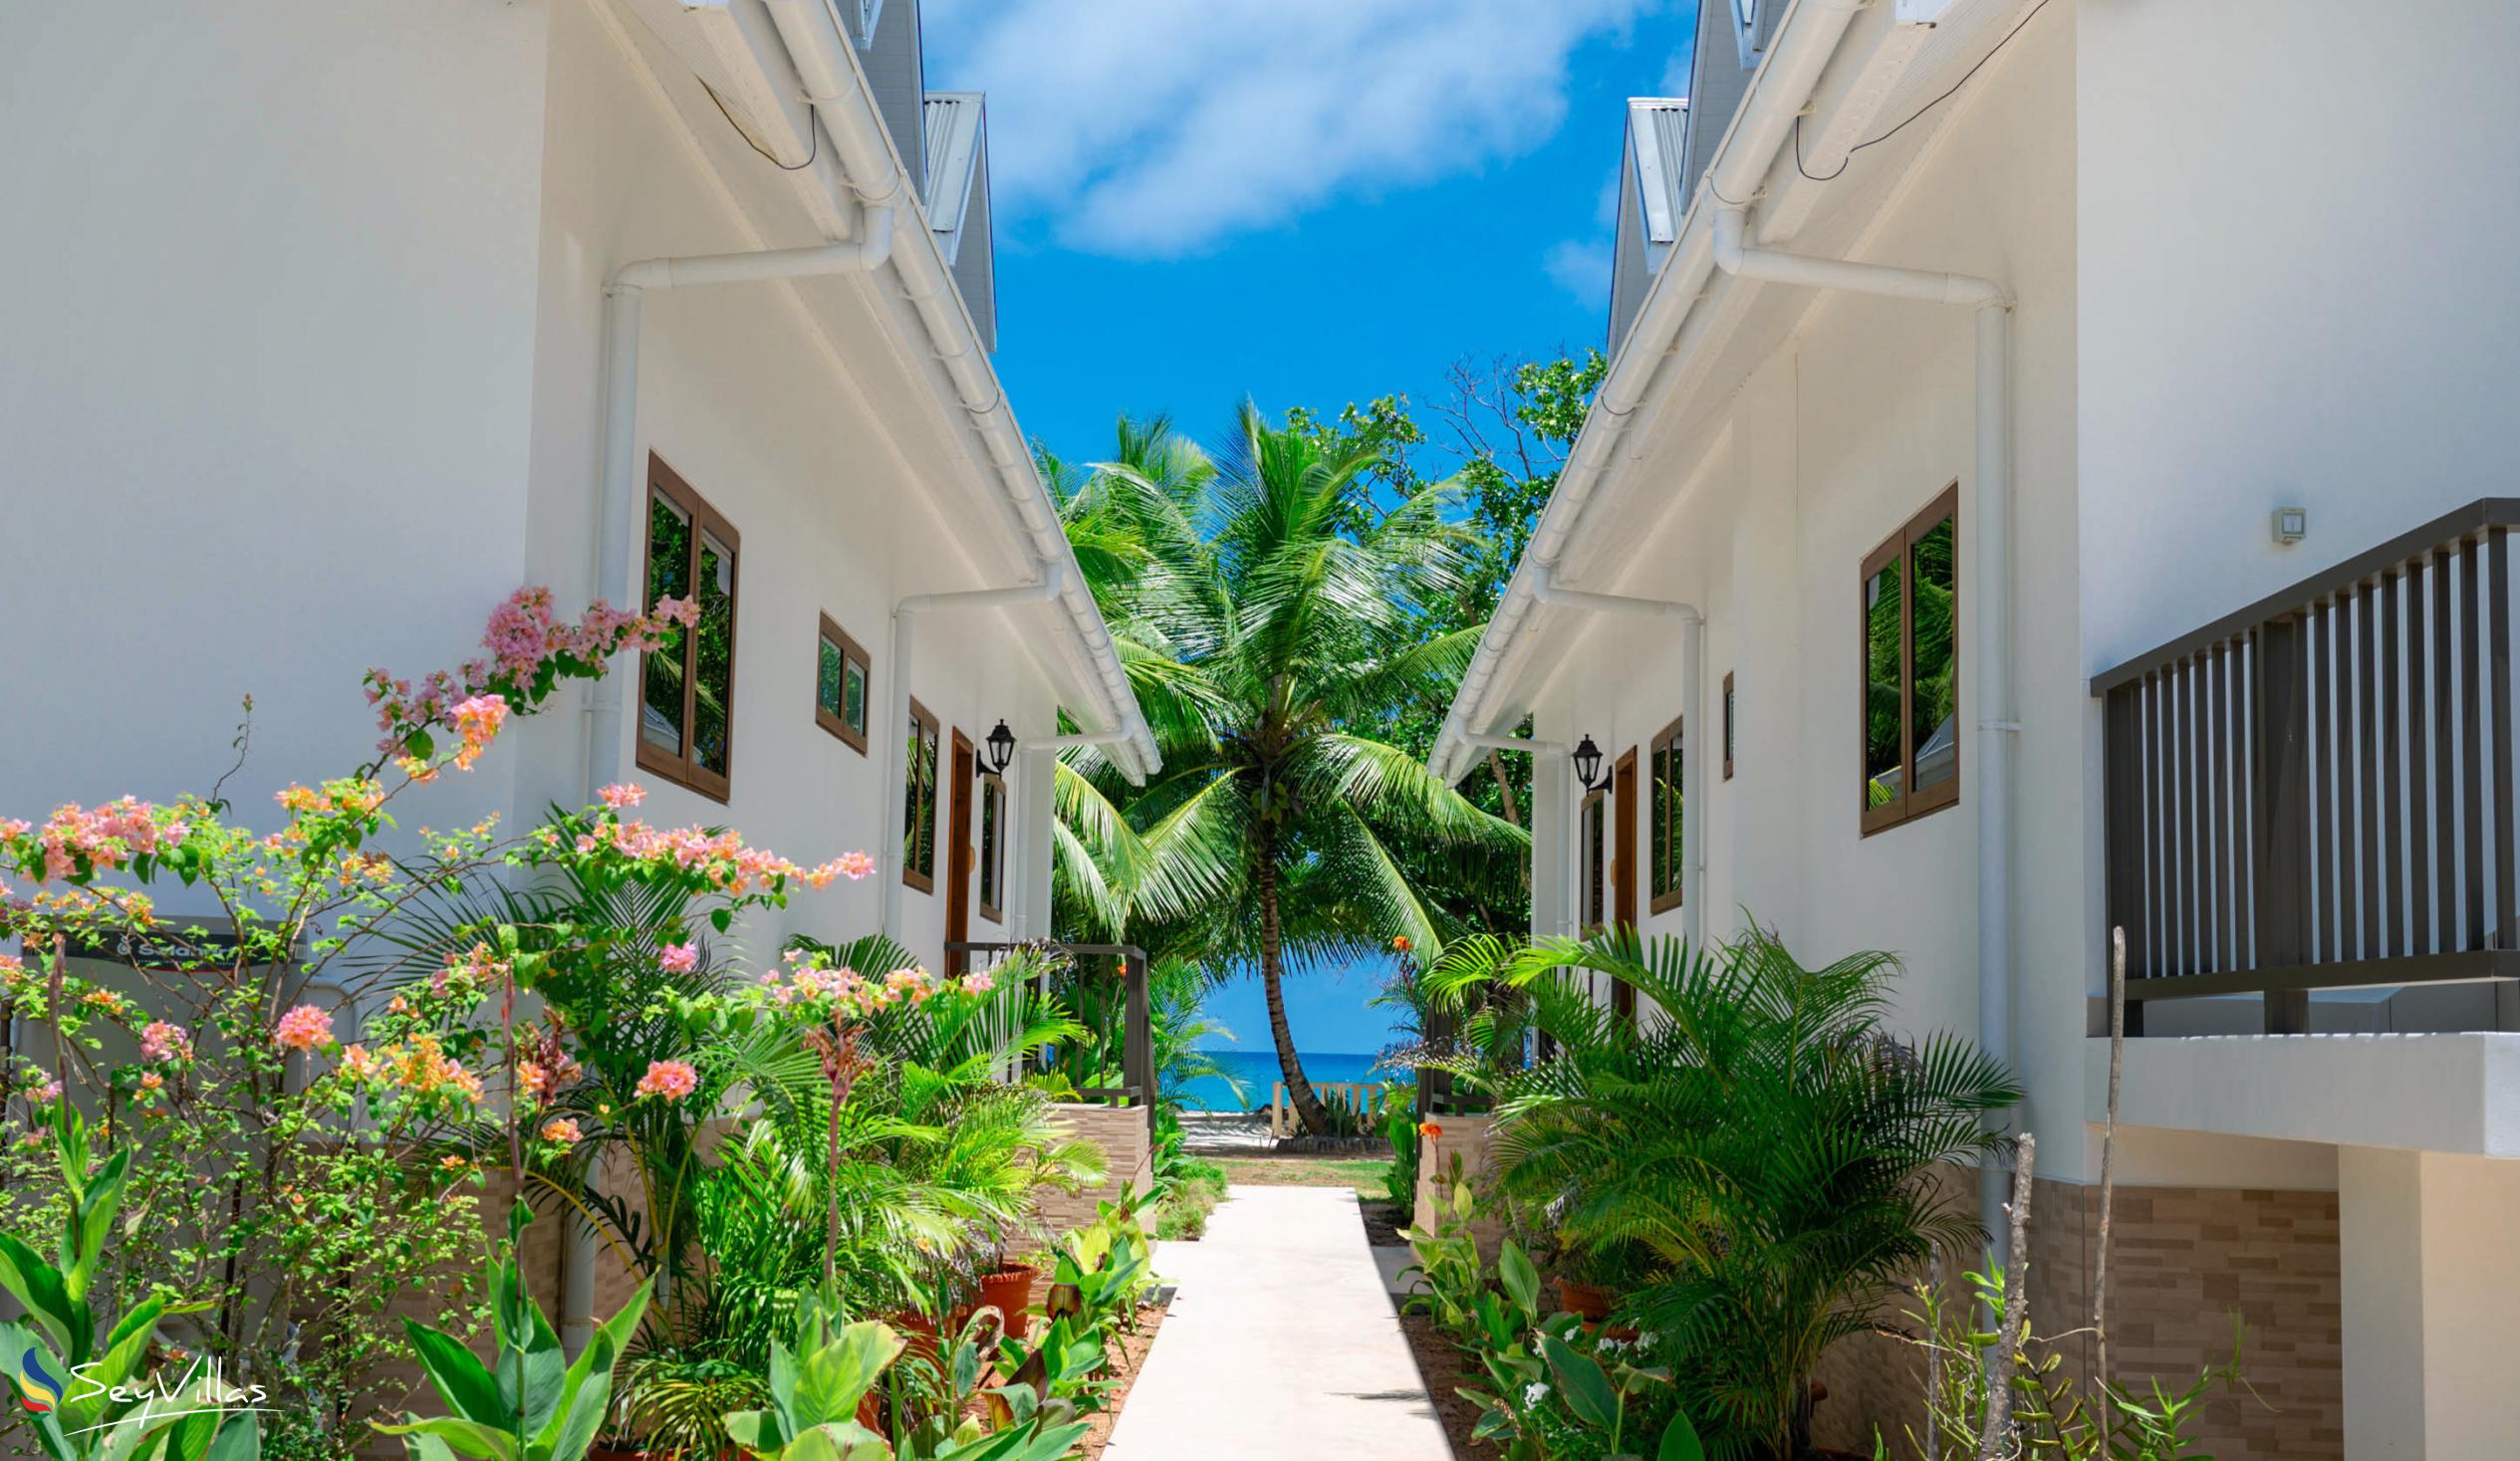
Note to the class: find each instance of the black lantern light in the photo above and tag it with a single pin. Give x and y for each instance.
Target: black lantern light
(1588, 766)
(1000, 751)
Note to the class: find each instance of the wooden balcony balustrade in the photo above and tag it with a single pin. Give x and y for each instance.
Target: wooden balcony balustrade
(2316, 792)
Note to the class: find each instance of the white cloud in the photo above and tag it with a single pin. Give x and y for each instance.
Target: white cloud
(1581, 267)
(1154, 128)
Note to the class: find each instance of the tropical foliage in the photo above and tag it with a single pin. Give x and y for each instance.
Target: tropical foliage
(1270, 610)
(265, 1142)
(1759, 1144)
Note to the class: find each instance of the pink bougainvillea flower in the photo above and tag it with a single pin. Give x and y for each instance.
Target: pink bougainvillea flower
(561, 1132)
(684, 611)
(978, 981)
(623, 794)
(678, 958)
(304, 1028)
(163, 1042)
(45, 1092)
(477, 719)
(358, 1065)
(855, 867)
(672, 1080)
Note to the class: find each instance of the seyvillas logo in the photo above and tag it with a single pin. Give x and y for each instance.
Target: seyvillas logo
(37, 1390)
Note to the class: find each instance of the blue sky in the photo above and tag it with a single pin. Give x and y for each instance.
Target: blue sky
(1304, 202)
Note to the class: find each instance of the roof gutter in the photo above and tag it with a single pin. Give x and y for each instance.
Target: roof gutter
(826, 71)
(1805, 41)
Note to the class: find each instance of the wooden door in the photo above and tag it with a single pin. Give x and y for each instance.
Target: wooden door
(958, 858)
(1622, 865)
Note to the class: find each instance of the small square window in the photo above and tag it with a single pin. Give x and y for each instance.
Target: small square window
(840, 685)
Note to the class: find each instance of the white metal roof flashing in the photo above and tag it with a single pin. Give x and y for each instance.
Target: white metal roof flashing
(955, 121)
(1657, 129)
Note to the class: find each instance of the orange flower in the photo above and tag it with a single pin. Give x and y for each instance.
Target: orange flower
(1429, 1130)
(1400, 943)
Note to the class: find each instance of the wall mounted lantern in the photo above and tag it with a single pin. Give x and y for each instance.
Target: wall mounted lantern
(998, 752)
(1588, 766)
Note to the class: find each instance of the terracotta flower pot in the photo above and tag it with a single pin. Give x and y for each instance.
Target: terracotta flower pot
(1588, 1302)
(918, 1332)
(1009, 1290)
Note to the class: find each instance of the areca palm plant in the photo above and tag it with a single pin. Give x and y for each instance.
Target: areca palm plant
(1759, 1133)
(1270, 611)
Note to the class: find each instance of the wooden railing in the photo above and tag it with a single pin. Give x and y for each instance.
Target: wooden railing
(1365, 1096)
(2316, 791)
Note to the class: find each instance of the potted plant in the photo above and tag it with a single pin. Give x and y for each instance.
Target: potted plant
(1594, 1280)
(1007, 1286)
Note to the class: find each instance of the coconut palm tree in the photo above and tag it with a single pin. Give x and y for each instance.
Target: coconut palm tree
(1269, 611)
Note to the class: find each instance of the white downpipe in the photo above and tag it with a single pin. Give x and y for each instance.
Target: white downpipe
(620, 489)
(905, 646)
(1545, 590)
(829, 74)
(1991, 516)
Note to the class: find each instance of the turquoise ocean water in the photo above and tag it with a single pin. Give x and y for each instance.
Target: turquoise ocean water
(1257, 1070)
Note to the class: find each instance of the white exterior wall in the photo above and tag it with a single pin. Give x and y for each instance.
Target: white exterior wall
(1834, 441)
(2428, 1290)
(303, 374)
(264, 365)
(2297, 289)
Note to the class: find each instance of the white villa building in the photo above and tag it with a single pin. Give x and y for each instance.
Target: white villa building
(326, 326)
(2175, 343)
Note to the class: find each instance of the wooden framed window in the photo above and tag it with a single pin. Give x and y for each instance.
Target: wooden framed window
(991, 836)
(1911, 669)
(686, 684)
(1727, 725)
(918, 802)
(1665, 816)
(842, 674)
(1593, 861)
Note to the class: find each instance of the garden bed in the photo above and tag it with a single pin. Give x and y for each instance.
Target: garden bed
(1441, 1364)
(1132, 1347)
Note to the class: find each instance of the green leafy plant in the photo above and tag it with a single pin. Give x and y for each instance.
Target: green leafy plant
(1760, 1133)
(78, 1387)
(1399, 1186)
(1107, 1267)
(531, 1403)
(815, 1392)
(1446, 1282)
(2053, 1415)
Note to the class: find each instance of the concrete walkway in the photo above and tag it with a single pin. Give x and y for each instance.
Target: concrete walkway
(1281, 1343)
